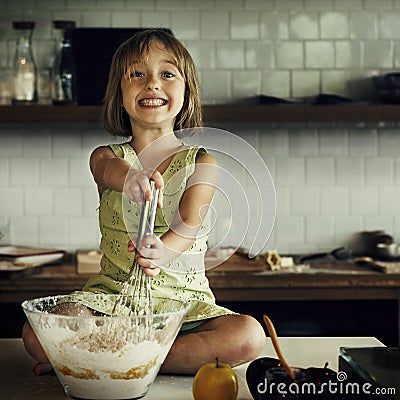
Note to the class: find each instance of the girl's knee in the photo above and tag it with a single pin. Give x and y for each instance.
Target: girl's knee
(253, 337)
(247, 338)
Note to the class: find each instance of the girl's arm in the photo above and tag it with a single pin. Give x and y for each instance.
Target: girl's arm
(192, 210)
(110, 171)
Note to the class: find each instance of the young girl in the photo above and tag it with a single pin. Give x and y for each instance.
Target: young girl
(152, 92)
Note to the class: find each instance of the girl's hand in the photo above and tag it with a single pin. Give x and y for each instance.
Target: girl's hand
(137, 184)
(149, 255)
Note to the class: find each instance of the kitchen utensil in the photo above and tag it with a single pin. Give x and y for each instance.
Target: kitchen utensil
(22, 257)
(386, 267)
(365, 243)
(104, 357)
(272, 100)
(332, 99)
(367, 263)
(135, 295)
(339, 254)
(16, 252)
(275, 342)
(388, 87)
(376, 244)
(389, 250)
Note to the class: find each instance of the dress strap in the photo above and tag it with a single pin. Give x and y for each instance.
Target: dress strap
(117, 150)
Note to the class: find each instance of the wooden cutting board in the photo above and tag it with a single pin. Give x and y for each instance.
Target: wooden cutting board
(17, 258)
(238, 263)
(387, 267)
(25, 251)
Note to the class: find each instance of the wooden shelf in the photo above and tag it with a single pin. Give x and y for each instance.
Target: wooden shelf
(302, 113)
(218, 113)
(49, 113)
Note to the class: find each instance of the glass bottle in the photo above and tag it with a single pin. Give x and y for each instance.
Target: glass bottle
(24, 68)
(64, 69)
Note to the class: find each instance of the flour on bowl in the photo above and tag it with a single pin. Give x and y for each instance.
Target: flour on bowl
(104, 365)
(105, 357)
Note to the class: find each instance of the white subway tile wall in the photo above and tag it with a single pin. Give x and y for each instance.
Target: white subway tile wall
(331, 179)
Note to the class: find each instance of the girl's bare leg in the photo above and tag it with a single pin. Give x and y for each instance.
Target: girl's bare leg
(35, 350)
(31, 342)
(234, 339)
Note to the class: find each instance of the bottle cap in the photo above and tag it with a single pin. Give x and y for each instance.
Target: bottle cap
(64, 24)
(23, 24)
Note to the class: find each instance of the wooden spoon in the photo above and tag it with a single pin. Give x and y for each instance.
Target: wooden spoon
(274, 338)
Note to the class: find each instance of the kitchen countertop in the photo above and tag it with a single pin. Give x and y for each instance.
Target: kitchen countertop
(18, 382)
(228, 284)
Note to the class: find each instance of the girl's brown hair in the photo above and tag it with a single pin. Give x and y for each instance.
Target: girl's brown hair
(115, 118)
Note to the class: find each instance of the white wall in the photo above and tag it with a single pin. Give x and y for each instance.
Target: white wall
(331, 179)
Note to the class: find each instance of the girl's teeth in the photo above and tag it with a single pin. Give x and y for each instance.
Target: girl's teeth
(152, 102)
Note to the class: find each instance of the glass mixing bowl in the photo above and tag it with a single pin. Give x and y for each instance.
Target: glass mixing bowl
(104, 357)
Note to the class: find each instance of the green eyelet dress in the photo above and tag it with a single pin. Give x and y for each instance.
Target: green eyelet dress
(183, 278)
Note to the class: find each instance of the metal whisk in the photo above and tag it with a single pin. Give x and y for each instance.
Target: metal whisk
(135, 297)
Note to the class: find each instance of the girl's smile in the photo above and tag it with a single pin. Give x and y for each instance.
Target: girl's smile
(153, 90)
(152, 102)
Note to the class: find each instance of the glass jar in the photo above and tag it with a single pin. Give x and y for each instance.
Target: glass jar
(24, 67)
(64, 68)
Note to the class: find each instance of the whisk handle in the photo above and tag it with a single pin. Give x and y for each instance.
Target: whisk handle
(147, 215)
(153, 209)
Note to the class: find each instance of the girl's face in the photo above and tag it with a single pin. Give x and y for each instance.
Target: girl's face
(153, 90)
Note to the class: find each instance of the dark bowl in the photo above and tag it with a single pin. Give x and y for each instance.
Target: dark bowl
(267, 380)
(393, 80)
(388, 87)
